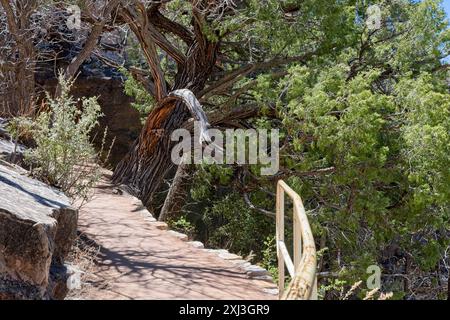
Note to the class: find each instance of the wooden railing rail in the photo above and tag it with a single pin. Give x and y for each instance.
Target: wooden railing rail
(303, 285)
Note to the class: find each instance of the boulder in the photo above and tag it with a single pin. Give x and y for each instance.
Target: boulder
(229, 256)
(255, 271)
(179, 235)
(63, 278)
(37, 229)
(197, 244)
(161, 225)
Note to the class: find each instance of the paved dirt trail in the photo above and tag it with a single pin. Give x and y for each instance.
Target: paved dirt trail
(140, 261)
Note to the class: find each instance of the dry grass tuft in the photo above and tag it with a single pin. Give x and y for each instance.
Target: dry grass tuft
(84, 256)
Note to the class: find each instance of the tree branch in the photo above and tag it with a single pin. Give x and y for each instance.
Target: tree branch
(138, 21)
(235, 75)
(261, 210)
(12, 23)
(91, 41)
(163, 23)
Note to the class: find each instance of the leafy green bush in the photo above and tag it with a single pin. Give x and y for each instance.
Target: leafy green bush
(233, 225)
(364, 139)
(269, 259)
(182, 225)
(64, 155)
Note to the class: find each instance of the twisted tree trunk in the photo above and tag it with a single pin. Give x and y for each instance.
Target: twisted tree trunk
(148, 161)
(178, 193)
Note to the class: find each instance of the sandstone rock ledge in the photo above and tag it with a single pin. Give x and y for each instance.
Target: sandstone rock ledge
(37, 229)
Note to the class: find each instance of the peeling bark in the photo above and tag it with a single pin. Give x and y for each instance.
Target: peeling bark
(144, 168)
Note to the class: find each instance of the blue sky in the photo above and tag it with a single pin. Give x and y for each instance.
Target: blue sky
(447, 7)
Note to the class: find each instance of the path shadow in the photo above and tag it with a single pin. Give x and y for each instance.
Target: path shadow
(183, 276)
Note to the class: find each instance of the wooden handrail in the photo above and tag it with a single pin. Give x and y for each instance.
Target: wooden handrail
(303, 285)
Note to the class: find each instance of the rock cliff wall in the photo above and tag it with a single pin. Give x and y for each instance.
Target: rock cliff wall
(37, 229)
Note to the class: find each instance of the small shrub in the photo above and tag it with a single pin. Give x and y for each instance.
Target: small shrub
(64, 155)
(270, 260)
(182, 225)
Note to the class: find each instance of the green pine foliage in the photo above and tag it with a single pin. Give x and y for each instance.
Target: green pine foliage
(143, 101)
(365, 130)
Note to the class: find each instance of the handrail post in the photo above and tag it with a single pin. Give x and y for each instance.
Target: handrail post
(297, 239)
(280, 237)
(303, 270)
(314, 295)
